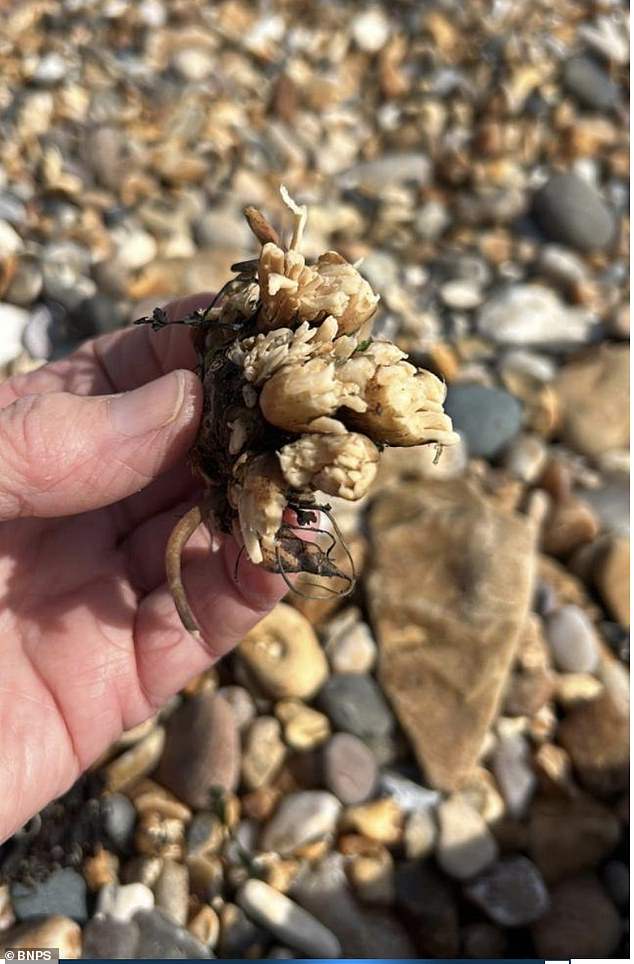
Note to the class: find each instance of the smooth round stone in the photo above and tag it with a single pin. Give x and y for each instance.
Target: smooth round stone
(122, 901)
(62, 893)
(97, 315)
(350, 769)
(526, 457)
(370, 30)
(562, 265)
(13, 321)
(193, 63)
(286, 920)
(49, 70)
(43, 333)
(431, 220)
(573, 640)
(136, 762)
(26, 283)
(410, 796)
(353, 649)
(464, 846)
(118, 817)
(355, 704)
(514, 773)
(284, 655)
(161, 938)
(300, 818)
(586, 80)
(264, 752)
(10, 240)
(41, 934)
(535, 316)
(487, 418)
(135, 247)
(461, 294)
(512, 892)
(220, 226)
(569, 210)
(171, 891)
(372, 177)
(241, 702)
(109, 939)
(202, 750)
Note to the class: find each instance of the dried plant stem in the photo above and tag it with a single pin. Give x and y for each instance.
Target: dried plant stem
(179, 537)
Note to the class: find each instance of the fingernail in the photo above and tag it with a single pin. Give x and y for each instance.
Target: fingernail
(151, 407)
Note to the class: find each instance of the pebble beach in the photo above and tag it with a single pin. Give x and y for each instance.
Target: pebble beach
(438, 765)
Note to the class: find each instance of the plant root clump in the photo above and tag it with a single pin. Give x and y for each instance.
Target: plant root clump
(298, 399)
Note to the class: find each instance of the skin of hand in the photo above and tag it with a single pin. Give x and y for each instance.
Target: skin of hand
(93, 477)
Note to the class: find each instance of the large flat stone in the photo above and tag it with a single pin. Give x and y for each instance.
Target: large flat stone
(450, 587)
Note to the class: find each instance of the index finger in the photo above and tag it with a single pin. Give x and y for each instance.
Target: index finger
(118, 362)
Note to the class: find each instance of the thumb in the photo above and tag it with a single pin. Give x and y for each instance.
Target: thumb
(61, 454)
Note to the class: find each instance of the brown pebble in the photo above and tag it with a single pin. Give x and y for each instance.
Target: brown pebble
(205, 925)
(100, 869)
(135, 763)
(202, 750)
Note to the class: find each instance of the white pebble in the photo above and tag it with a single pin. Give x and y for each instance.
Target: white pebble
(13, 321)
(10, 240)
(122, 901)
(371, 30)
(573, 640)
(465, 845)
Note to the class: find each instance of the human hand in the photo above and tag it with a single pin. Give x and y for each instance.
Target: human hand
(92, 480)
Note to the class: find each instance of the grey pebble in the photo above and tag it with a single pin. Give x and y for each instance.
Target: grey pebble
(97, 315)
(511, 763)
(512, 892)
(42, 333)
(573, 640)
(118, 820)
(12, 209)
(238, 933)
(590, 83)
(350, 769)
(105, 938)
(62, 893)
(373, 176)
(354, 703)
(323, 890)
(286, 920)
(300, 818)
(487, 418)
(171, 891)
(569, 210)
(162, 939)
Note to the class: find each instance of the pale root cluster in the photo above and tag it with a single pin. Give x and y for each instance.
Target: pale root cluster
(315, 377)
